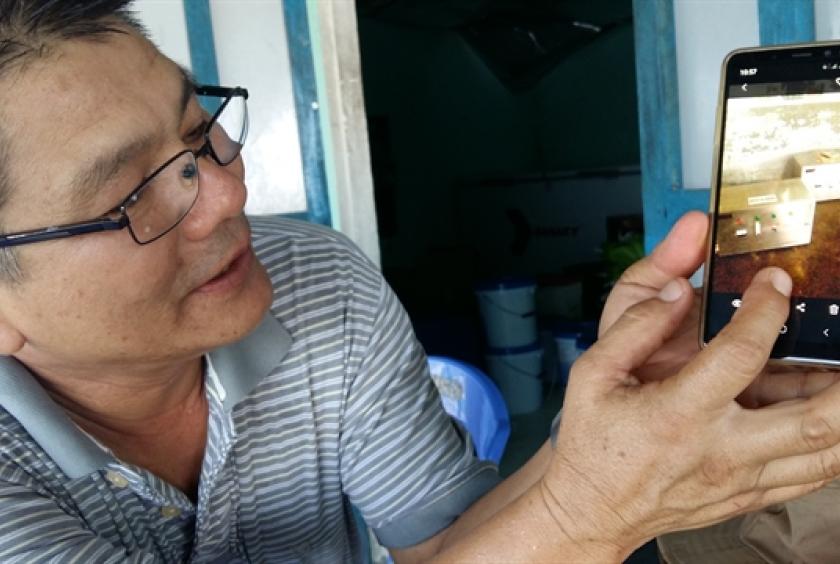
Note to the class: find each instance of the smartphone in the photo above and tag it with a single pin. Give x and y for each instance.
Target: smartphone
(776, 193)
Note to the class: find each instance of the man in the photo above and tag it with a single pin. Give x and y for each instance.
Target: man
(181, 385)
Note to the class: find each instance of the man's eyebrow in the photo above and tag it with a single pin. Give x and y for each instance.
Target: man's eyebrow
(87, 183)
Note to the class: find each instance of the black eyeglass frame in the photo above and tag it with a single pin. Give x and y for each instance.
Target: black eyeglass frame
(107, 221)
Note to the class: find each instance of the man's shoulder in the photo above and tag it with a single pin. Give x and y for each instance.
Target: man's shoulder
(307, 237)
(291, 248)
(314, 270)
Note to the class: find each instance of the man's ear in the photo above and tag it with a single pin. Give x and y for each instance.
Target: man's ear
(11, 340)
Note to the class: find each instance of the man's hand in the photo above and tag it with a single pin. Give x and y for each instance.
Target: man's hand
(678, 256)
(652, 438)
(636, 458)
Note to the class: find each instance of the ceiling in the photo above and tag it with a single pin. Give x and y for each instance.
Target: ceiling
(520, 40)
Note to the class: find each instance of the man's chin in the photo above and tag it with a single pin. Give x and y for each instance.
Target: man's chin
(231, 320)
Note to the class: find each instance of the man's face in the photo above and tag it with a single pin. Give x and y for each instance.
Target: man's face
(100, 300)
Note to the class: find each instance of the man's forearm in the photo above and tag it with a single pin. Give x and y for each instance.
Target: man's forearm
(500, 497)
(519, 521)
(530, 528)
(481, 511)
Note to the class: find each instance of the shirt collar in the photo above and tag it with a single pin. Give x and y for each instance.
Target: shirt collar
(239, 367)
(244, 364)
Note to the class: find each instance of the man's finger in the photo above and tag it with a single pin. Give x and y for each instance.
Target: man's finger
(724, 369)
(637, 334)
(786, 493)
(801, 469)
(793, 428)
(679, 255)
(775, 387)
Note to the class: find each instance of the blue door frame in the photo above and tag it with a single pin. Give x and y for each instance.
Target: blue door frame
(664, 198)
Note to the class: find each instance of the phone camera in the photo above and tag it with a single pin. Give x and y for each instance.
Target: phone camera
(827, 53)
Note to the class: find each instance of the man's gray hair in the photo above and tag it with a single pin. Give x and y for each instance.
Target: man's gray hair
(30, 29)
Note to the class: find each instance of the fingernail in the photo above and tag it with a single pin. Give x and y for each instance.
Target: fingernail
(781, 281)
(671, 292)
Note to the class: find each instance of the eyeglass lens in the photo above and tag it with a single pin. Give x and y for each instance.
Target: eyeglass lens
(228, 132)
(164, 199)
(168, 196)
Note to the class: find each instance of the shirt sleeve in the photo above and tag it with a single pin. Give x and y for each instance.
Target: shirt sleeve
(34, 529)
(403, 463)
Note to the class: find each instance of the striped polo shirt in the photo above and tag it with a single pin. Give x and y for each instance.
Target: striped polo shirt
(327, 403)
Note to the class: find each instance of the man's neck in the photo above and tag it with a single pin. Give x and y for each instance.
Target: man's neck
(153, 419)
(130, 404)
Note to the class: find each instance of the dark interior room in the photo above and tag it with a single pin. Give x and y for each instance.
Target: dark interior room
(505, 146)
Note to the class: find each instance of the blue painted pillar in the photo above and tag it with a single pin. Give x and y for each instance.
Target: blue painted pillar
(785, 21)
(200, 37)
(663, 198)
(307, 110)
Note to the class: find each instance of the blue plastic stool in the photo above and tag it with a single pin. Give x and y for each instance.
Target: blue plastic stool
(470, 397)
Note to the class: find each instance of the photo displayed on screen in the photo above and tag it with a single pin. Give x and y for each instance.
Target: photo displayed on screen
(779, 199)
(778, 204)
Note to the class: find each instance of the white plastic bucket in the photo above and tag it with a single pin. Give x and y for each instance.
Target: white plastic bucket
(569, 337)
(567, 352)
(508, 311)
(517, 373)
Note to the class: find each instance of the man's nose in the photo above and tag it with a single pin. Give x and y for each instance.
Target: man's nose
(221, 196)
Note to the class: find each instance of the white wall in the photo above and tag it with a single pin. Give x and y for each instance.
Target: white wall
(166, 22)
(251, 51)
(706, 30)
(827, 19)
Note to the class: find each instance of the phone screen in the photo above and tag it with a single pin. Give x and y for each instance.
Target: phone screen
(777, 199)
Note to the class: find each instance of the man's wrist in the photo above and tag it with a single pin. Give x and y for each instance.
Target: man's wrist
(580, 526)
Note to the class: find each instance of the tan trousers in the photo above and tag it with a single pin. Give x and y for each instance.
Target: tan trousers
(802, 531)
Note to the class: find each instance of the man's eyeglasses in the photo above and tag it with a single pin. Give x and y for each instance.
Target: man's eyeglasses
(164, 197)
